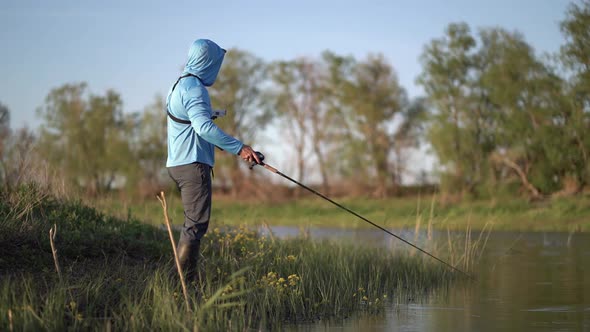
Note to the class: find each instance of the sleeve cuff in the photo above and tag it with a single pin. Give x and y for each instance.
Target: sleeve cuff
(239, 149)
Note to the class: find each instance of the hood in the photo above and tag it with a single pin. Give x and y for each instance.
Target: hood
(204, 61)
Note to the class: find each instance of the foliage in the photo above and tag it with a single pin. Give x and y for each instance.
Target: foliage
(342, 112)
(500, 114)
(4, 135)
(238, 90)
(116, 274)
(575, 118)
(28, 212)
(83, 134)
(374, 97)
(298, 97)
(457, 117)
(146, 135)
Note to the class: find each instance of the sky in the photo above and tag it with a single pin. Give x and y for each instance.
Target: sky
(138, 47)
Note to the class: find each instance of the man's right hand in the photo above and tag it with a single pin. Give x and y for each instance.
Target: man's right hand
(249, 155)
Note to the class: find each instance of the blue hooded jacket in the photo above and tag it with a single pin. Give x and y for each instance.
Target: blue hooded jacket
(190, 101)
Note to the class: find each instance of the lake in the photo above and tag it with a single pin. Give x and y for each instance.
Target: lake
(525, 282)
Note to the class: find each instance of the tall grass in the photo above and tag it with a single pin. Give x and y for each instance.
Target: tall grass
(461, 250)
(118, 275)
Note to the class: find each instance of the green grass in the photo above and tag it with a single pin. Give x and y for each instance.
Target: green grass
(566, 214)
(118, 274)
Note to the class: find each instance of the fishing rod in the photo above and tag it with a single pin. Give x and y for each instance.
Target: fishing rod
(274, 170)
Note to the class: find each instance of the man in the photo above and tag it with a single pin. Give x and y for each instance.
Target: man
(192, 137)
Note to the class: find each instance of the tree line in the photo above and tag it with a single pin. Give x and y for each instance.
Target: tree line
(498, 117)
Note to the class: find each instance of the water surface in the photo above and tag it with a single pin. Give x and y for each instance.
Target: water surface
(525, 282)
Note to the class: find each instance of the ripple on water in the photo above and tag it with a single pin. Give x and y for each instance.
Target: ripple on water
(554, 309)
(426, 307)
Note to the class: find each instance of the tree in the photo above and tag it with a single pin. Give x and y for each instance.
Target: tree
(341, 111)
(374, 97)
(523, 100)
(4, 136)
(148, 143)
(303, 99)
(455, 123)
(17, 155)
(238, 89)
(19, 161)
(499, 113)
(575, 54)
(295, 99)
(337, 127)
(84, 135)
(407, 136)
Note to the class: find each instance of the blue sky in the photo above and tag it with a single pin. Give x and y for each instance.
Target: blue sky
(137, 47)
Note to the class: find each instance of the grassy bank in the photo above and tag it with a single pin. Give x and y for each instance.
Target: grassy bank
(566, 214)
(117, 274)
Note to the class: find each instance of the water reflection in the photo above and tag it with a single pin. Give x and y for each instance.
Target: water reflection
(526, 282)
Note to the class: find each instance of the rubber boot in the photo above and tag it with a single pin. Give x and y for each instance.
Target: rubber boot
(188, 254)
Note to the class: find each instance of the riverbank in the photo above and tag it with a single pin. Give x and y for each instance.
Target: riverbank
(565, 214)
(118, 274)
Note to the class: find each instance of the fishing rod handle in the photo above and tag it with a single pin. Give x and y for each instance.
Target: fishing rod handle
(260, 157)
(270, 168)
(262, 163)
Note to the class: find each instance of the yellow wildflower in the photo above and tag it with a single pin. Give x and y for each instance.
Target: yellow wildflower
(227, 290)
(293, 279)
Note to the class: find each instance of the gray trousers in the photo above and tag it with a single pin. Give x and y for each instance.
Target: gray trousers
(194, 182)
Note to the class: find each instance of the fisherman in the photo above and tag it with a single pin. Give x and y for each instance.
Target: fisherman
(192, 138)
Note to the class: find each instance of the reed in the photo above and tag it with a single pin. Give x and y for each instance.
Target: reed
(473, 242)
(116, 276)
